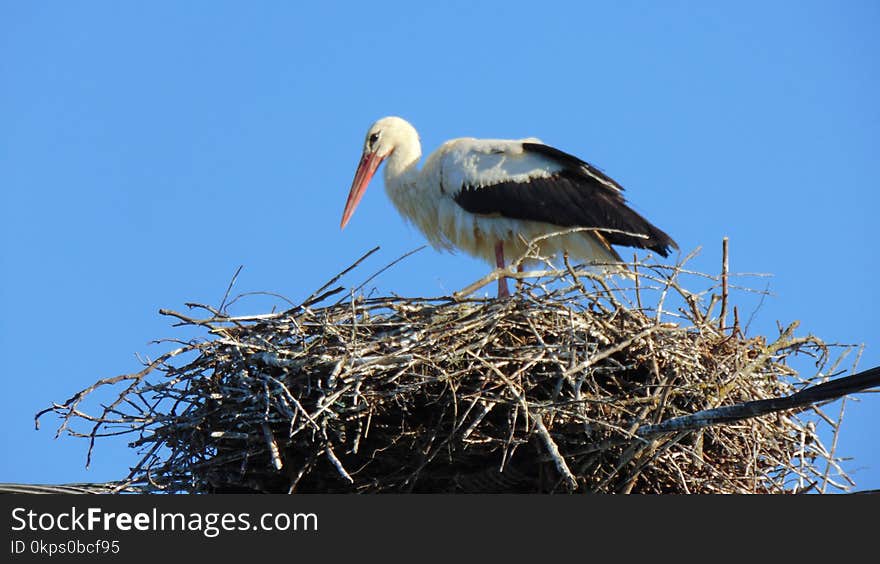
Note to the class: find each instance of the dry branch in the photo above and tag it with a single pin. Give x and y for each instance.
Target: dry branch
(731, 413)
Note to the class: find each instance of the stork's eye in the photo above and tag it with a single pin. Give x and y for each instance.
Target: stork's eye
(373, 138)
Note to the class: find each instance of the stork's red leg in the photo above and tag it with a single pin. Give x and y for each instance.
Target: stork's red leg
(519, 268)
(503, 292)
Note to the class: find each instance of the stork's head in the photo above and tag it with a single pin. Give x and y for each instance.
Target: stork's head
(382, 139)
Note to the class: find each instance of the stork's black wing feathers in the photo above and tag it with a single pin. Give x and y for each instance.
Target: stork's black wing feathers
(579, 195)
(570, 161)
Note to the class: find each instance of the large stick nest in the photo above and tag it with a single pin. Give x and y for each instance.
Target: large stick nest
(557, 389)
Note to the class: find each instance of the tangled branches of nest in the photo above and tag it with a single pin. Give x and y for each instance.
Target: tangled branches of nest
(566, 387)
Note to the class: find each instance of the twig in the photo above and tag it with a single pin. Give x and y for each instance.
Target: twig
(229, 289)
(553, 450)
(725, 269)
(273, 446)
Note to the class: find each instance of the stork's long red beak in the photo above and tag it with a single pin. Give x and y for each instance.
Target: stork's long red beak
(367, 167)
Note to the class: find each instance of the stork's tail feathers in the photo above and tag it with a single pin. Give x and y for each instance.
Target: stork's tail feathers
(659, 242)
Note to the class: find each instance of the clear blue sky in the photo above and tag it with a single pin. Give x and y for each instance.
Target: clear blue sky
(148, 149)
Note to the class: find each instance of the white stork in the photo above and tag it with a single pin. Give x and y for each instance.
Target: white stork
(489, 197)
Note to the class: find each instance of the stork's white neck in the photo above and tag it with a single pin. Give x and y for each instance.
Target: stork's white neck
(401, 166)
